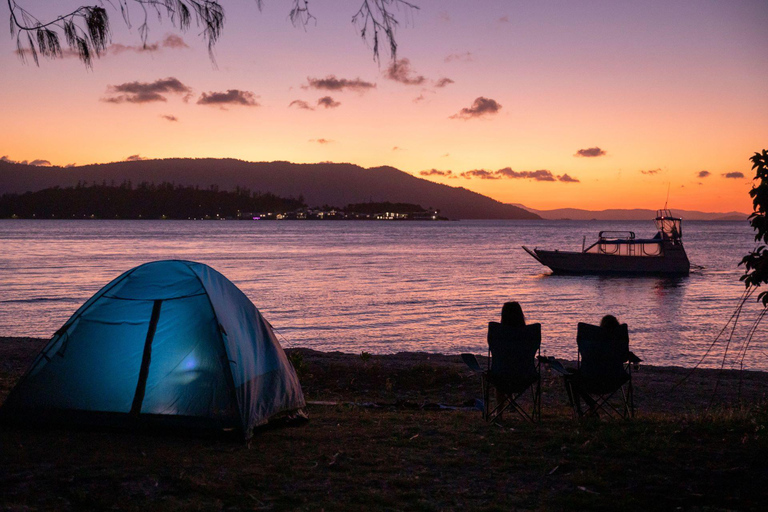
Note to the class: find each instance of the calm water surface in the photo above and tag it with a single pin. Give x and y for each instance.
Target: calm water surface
(389, 287)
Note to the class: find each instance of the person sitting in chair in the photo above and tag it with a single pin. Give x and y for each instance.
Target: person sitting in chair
(512, 348)
(601, 366)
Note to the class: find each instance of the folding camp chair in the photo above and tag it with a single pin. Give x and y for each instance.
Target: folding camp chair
(512, 371)
(603, 379)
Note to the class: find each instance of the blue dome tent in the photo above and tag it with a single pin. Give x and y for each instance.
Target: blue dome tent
(166, 343)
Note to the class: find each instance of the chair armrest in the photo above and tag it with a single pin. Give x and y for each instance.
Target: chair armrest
(554, 364)
(471, 361)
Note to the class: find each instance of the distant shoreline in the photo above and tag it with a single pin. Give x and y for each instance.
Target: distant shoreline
(729, 221)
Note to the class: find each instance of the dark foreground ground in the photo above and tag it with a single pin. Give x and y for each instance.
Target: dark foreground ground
(688, 449)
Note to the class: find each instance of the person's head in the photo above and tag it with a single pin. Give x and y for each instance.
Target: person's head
(609, 322)
(512, 315)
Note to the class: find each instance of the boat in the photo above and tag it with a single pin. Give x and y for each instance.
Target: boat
(620, 252)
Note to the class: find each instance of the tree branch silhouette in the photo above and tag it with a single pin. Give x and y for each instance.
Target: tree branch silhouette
(87, 28)
(755, 274)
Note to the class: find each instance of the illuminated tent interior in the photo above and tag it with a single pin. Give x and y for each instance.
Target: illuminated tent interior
(166, 343)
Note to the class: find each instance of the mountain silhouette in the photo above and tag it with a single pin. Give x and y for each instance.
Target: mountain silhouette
(631, 214)
(320, 184)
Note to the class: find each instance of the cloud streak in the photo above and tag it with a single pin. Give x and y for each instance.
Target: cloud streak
(651, 172)
(331, 83)
(146, 92)
(328, 102)
(170, 41)
(459, 57)
(481, 107)
(733, 175)
(234, 97)
(300, 104)
(402, 72)
(703, 174)
(501, 174)
(590, 152)
(437, 172)
(38, 162)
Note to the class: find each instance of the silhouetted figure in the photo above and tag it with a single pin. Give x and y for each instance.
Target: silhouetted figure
(512, 315)
(603, 352)
(513, 347)
(610, 322)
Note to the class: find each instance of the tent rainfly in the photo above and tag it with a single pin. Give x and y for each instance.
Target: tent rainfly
(166, 343)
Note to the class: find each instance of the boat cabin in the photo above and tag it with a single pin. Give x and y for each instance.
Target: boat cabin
(624, 243)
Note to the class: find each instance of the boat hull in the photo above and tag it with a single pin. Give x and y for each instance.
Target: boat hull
(673, 262)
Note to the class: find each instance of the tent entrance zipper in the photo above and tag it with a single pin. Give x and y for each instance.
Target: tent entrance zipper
(141, 387)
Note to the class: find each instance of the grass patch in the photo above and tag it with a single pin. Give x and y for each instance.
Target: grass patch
(351, 458)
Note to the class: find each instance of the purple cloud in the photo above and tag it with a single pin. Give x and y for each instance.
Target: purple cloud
(735, 175)
(540, 175)
(459, 57)
(482, 174)
(401, 71)
(590, 152)
(443, 82)
(300, 104)
(480, 107)
(174, 41)
(509, 173)
(171, 118)
(135, 158)
(37, 162)
(171, 41)
(565, 178)
(331, 83)
(231, 97)
(143, 92)
(437, 172)
(703, 174)
(328, 102)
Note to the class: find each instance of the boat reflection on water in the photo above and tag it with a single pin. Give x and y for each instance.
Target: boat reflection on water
(621, 253)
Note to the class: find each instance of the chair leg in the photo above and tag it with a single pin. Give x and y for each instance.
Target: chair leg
(603, 402)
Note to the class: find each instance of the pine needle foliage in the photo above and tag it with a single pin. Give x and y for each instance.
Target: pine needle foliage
(87, 31)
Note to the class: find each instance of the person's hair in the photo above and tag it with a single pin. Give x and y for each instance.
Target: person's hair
(512, 315)
(609, 322)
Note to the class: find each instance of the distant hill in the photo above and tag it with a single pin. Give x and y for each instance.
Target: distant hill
(633, 214)
(319, 184)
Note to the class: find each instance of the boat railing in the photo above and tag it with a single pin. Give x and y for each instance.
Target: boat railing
(626, 246)
(617, 235)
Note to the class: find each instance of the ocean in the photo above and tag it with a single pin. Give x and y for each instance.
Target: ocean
(387, 287)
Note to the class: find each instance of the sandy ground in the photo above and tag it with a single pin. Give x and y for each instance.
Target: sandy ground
(675, 455)
(436, 378)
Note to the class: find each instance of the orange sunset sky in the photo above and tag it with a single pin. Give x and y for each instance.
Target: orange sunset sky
(551, 104)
